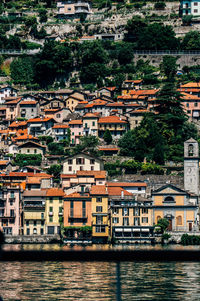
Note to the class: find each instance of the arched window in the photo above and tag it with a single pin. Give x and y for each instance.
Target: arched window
(158, 217)
(169, 199)
(34, 230)
(190, 150)
(179, 220)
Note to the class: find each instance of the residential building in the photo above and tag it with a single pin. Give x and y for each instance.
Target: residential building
(82, 162)
(130, 84)
(60, 132)
(135, 188)
(106, 91)
(7, 91)
(31, 148)
(100, 214)
(11, 209)
(76, 128)
(73, 9)
(90, 124)
(190, 7)
(34, 212)
(13, 109)
(40, 126)
(114, 124)
(54, 210)
(29, 109)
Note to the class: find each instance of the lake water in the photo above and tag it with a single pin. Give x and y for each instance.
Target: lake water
(87, 281)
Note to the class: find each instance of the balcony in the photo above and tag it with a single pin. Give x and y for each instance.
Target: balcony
(77, 218)
(51, 213)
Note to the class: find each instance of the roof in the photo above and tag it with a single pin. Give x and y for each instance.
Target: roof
(60, 126)
(77, 121)
(111, 119)
(14, 101)
(4, 162)
(15, 124)
(127, 184)
(55, 192)
(117, 191)
(104, 148)
(187, 96)
(135, 81)
(77, 195)
(115, 104)
(90, 115)
(31, 192)
(191, 85)
(68, 176)
(144, 92)
(28, 102)
(25, 174)
(26, 137)
(97, 174)
(45, 119)
(33, 143)
(99, 189)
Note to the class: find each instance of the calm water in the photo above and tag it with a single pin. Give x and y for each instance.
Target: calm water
(97, 280)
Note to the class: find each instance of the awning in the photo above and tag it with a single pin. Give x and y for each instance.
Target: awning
(127, 230)
(118, 229)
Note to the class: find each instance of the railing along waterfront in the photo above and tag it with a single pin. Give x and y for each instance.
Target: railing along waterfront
(166, 52)
(19, 51)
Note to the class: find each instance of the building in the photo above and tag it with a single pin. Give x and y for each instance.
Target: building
(7, 91)
(90, 124)
(31, 148)
(131, 216)
(178, 206)
(60, 132)
(190, 7)
(76, 128)
(40, 126)
(100, 214)
(114, 124)
(54, 210)
(82, 162)
(29, 109)
(73, 9)
(34, 212)
(11, 209)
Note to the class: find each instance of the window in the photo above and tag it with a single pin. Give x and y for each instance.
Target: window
(51, 219)
(60, 200)
(70, 161)
(195, 10)
(125, 211)
(169, 199)
(70, 168)
(28, 150)
(50, 209)
(12, 212)
(35, 223)
(27, 223)
(139, 188)
(115, 210)
(42, 215)
(136, 211)
(51, 200)
(41, 231)
(86, 125)
(12, 195)
(99, 199)
(195, 4)
(93, 123)
(58, 115)
(27, 231)
(99, 220)
(34, 230)
(92, 167)
(145, 220)
(72, 133)
(196, 104)
(100, 229)
(60, 210)
(188, 111)
(125, 221)
(99, 208)
(187, 105)
(136, 221)
(80, 161)
(81, 167)
(179, 220)
(115, 220)
(11, 202)
(42, 223)
(35, 151)
(145, 210)
(92, 161)
(190, 150)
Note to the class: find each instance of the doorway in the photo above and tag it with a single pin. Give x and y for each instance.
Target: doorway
(169, 228)
(190, 226)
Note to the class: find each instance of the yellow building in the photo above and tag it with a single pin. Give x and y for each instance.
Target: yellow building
(54, 210)
(100, 216)
(114, 124)
(90, 124)
(178, 206)
(34, 212)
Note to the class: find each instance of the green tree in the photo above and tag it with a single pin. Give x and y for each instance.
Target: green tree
(107, 137)
(169, 67)
(163, 223)
(55, 170)
(191, 41)
(43, 15)
(22, 70)
(159, 153)
(56, 148)
(87, 144)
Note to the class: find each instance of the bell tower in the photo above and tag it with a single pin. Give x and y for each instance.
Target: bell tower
(191, 166)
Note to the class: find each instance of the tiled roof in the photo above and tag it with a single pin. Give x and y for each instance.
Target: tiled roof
(26, 137)
(187, 96)
(77, 121)
(25, 174)
(111, 119)
(191, 85)
(104, 148)
(61, 126)
(55, 192)
(127, 184)
(68, 176)
(90, 115)
(16, 124)
(115, 104)
(111, 88)
(28, 193)
(135, 81)
(117, 191)
(99, 189)
(4, 162)
(77, 195)
(45, 119)
(97, 174)
(144, 92)
(51, 110)
(13, 102)
(34, 180)
(2, 108)
(28, 102)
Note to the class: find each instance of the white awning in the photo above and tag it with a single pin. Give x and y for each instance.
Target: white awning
(127, 230)
(145, 230)
(136, 230)
(118, 230)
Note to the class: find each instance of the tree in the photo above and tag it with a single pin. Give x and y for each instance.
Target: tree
(107, 137)
(169, 67)
(55, 170)
(163, 223)
(22, 70)
(24, 159)
(191, 41)
(159, 154)
(160, 5)
(56, 148)
(87, 144)
(43, 15)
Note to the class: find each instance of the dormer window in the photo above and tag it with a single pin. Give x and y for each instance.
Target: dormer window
(190, 150)
(169, 199)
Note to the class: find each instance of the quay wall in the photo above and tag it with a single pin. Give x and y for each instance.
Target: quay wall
(34, 239)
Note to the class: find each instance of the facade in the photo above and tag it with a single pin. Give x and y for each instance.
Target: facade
(71, 9)
(90, 124)
(34, 212)
(54, 210)
(191, 7)
(114, 124)
(76, 128)
(100, 214)
(31, 148)
(60, 132)
(11, 210)
(29, 109)
(7, 92)
(40, 126)
(176, 205)
(131, 216)
(81, 162)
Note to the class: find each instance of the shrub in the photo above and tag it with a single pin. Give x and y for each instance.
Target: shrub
(24, 159)
(160, 5)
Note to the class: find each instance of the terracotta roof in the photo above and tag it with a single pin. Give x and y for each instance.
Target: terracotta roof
(135, 81)
(118, 191)
(77, 195)
(16, 124)
(4, 162)
(68, 176)
(2, 108)
(144, 92)
(127, 184)
(97, 174)
(15, 101)
(77, 121)
(99, 189)
(32, 142)
(139, 111)
(25, 174)
(45, 119)
(34, 180)
(26, 137)
(28, 193)
(189, 89)
(191, 85)
(111, 119)
(51, 110)
(187, 96)
(55, 192)
(102, 148)
(28, 102)
(60, 126)
(115, 104)
(111, 88)
(90, 115)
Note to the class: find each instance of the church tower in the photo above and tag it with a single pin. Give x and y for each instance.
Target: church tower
(191, 166)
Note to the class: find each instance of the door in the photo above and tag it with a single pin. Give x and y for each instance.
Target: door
(190, 226)
(169, 228)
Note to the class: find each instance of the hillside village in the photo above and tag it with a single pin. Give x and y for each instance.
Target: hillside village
(56, 177)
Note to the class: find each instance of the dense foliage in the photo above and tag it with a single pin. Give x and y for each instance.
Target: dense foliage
(24, 160)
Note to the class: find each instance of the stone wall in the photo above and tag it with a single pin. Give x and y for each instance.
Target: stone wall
(40, 239)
